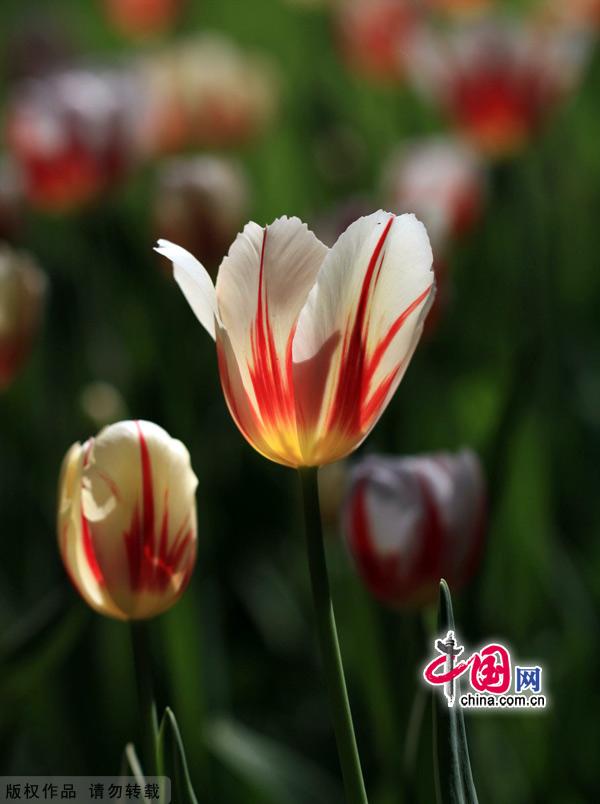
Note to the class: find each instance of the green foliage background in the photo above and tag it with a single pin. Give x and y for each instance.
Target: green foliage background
(513, 370)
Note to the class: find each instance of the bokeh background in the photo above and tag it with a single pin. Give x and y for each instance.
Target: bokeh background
(511, 368)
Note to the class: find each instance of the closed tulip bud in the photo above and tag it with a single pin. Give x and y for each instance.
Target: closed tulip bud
(22, 290)
(205, 92)
(127, 520)
(375, 36)
(73, 135)
(410, 521)
(498, 81)
(142, 18)
(200, 203)
(312, 342)
(442, 181)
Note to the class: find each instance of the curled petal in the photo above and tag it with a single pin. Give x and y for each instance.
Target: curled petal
(195, 282)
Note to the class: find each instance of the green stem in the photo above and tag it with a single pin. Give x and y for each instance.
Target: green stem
(142, 657)
(328, 639)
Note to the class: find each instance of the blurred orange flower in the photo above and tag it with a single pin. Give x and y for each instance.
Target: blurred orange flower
(312, 342)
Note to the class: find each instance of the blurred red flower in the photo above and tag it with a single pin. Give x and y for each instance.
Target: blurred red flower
(496, 80)
(410, 521)
(441, 180)
(72, 135)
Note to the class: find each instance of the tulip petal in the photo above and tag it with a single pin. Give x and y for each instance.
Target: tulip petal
(138, 511)
(261, 288)
(76, 550)
(358, 329)
(195, 282)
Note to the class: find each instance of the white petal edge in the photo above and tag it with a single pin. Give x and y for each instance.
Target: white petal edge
(195, 282)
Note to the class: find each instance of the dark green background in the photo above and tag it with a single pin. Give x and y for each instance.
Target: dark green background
(513, 371)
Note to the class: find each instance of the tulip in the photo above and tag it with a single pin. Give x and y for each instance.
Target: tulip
(410, 521)
(73, 135)
(142, 18)
(200, 203)
(205, 92)
(22, 290)
(375, 36)
(312, 342)
(441, 180)
(496, 81)
(127, 520)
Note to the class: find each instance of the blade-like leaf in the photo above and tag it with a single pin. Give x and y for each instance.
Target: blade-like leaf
(270, 769)
(176, 767)
(130, 764)
(453, 777)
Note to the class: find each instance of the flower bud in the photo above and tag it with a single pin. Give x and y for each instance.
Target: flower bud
(205, 92)
(73, 135)
(410, 521)
(127, 520)
(201, 203)
(22, 289)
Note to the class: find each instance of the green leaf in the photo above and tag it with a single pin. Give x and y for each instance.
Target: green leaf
(453, 777)
(130, 764)
(274, 771)
(175, 762)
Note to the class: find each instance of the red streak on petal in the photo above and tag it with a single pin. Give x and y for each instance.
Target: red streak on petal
(90, 553)
(273, 387)
(152, 559)
(345, 413)
(385, 342)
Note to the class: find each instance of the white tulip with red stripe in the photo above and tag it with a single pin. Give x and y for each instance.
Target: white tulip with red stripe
(312, 342)
(127, 520)
(411, 521)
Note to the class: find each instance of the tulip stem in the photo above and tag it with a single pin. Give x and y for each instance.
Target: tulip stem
(142, 657)
(328, 640)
